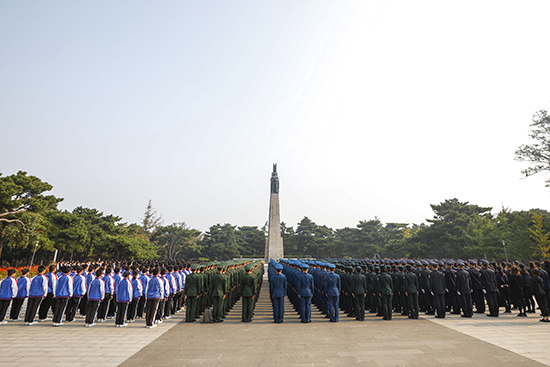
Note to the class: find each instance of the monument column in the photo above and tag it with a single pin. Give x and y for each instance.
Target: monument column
(274, 241)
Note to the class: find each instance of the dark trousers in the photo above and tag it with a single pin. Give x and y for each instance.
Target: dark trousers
(217, 309)
(32, 307)
(248, 307)
(91, 309)
(82, 305)
(332, 310)
(386, 306)
(72, 306)
(104, 307)
(112, 307)
(140, 307)
(4, 304)
(412, 301)
(160, 310)
(121, 312)
(465, 301)
(359, 307)
(541, 301)
(479, 300)
(61, 304)
(151, 306)
(492, 302)
(191, 311)
(168, 305)
(305, 309)
(16, 308)
(132, 309)
(439, 305)
(45, 305)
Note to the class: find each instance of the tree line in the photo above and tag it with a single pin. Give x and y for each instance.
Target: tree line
(30, 220)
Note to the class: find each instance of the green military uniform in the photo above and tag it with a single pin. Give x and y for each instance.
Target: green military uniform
(192, 291)
(218, 291)
(248, 288)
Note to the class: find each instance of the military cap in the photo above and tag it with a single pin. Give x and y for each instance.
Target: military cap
(332, 266)
(248, 267)
(440, 263)
(403, 262)
(358, 269)
(460, 262)
(304, 266)
(194, 266)
(484, 262)
(400, 267)
(450, 262)
(425, 262)
(278, 267)
(473, 262)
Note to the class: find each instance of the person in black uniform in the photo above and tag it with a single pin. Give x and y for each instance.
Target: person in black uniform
(424, 288)
(477, 287)
(411, 291)
(489, 283)
(359, 290)
(463, 290)
(437, 290)
(386, 292)
(450, 284)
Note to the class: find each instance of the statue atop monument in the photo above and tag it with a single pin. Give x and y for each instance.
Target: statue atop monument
(274, 240)
(274, 180)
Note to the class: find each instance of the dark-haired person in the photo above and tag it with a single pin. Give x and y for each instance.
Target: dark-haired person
(125, 292)
(96, 294)
(23, 285)
(8, 291)
(37, 292)
(63, 291)
(109, 293)
(79, 291)
(526, 278)
(153, 293)
(49, 301)
(137, 288)
(490, 289)
(503, 284)
(537, 287)
(385, 293)
(516, 291)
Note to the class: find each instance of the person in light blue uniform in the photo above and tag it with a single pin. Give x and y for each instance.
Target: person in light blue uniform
(8, 291)
(23, 285)
(277, 289)
(333, 287)
(305, 292)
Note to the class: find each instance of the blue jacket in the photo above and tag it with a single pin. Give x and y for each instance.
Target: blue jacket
(109, 284)
(277, 285)
(39, 286)
(64, 287)
(79, 285)
(137, 287)
(117, 278)
(8, 288)
(23, 285)
(305, 285)
(125, 291)
(155, 288)
(52, 282)
(333, 284)
(96, 290)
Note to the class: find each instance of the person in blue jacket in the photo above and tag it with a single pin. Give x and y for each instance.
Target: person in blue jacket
(8, 291)
(49, 301)
(79, 291)
(37, 292)
(23, 285)
(305, 292)
(277, 288)
(333, 288)
(63, 291)
(96, 293)
(125, 292)
(153, 293)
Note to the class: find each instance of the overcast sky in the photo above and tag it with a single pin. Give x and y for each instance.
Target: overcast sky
(370, 108)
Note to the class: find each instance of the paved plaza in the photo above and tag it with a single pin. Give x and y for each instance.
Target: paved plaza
(454, 341)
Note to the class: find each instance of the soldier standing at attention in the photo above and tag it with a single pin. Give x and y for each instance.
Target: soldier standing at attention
(437, 290)
(218, 290)
(248, 284)
(192, 291)
(463, 289)
(411, 291)
(333, 288)
(305, 291)
(277, 287)
(489, 283)
(386, 291)
(359, 289)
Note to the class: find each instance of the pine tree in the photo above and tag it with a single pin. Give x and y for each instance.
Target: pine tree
(151, 220)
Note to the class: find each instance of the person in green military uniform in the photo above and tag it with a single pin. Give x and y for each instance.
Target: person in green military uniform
(248, 289)
(218, 291)
(192, 291)
(386, 292)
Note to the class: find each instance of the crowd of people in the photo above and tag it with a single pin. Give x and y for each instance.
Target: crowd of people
(127, 291)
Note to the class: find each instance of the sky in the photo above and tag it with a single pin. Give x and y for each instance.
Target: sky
(369, 108)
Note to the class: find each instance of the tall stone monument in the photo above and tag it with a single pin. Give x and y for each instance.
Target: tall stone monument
(274, 241)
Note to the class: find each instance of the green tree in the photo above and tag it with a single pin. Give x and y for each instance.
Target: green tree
(220, 242)
(177, 240)
(151, 221)
(22, 209)
(68, 232)
(251, 240)
(537, 154)
(540, 236)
